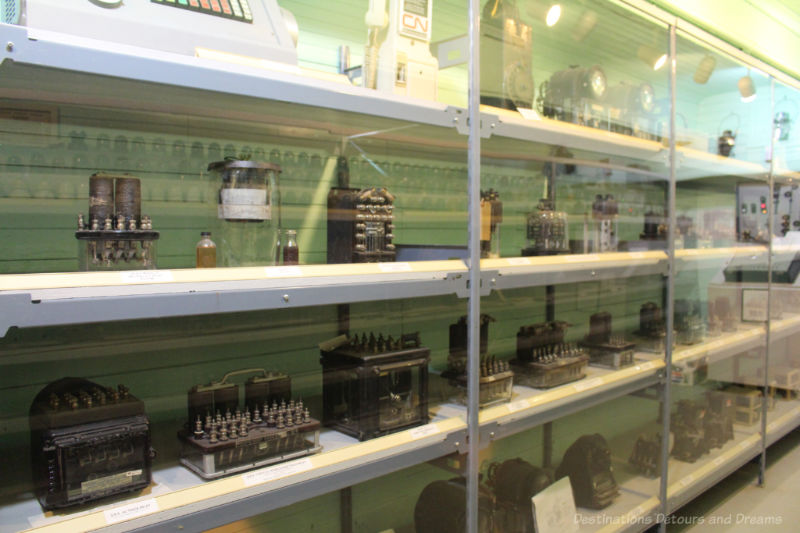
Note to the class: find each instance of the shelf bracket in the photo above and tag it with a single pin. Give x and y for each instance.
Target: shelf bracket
(460, 120)
(488, 433)
(488, 282)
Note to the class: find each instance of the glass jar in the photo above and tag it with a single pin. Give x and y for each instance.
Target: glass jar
(291, 253)
(249, 210)
(206, 251)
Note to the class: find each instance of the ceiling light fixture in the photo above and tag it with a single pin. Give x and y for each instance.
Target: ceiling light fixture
(747, 88)
(653, 57)
(553, 14)
(545, 11)
(704, 69)
(585, 25)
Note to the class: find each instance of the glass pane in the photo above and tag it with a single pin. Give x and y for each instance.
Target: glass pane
(720, 336)
(262, 244)
(574, 198)
(783, 373)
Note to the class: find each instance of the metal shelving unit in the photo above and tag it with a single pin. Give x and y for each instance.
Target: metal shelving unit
(84, 69)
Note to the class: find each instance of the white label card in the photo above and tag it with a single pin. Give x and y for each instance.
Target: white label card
(582, 258)
(518, 261)
(529, 114)
(276, 472)
(132, 510)
(554, 509)
(688, 480)
(394, 267)
(283, 271)
(718, 461)
(588, 384)
(144, 276)
(423, 431)
(519, 405)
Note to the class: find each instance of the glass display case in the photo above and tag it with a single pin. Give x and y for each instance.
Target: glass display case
(436, 288)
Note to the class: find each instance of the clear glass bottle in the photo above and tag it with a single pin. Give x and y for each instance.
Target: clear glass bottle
(291, 253)
(206, 251)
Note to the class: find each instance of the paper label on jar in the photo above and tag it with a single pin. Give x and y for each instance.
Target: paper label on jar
(244, 204)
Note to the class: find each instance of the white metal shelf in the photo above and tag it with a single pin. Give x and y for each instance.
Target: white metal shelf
(516, 272)
(689, 480)
(692, 163)
(180, 500)
(30, 300)
(52, 55)
(746, 337)
(532, 407)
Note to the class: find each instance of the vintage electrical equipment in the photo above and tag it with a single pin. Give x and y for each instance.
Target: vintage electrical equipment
(725, 143)
(646, 455)
(575, 95)
(688, 426)
(719, 419)
(221, 439)
(601, 232)
(713, 324)
(506, 57)
(689, 325)
(723, 314)
(116, 235)
(87, 442)
(249, 205)
(752, 220)
(442, 508)
(496, 378)
(544, 360)
(360, 226)
(655, 227)
(373, 386)
(753, 208)
(782, 124)
(631, 110)
(514, 483)
(651, 335)
(255, 28)
(397, 58)
(606, 349)
(491, 218)
(547, 231)
(686, 232)
(702, 425)
(587, 462)
(746, 402)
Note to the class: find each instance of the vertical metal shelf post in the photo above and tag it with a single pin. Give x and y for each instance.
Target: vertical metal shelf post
(473, 315)
(762, 463)
(669, 310)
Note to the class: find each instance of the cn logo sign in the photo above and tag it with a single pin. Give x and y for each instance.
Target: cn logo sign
(416, 23)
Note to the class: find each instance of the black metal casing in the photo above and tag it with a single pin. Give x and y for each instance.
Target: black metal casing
(368, 395)
(97, 447)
